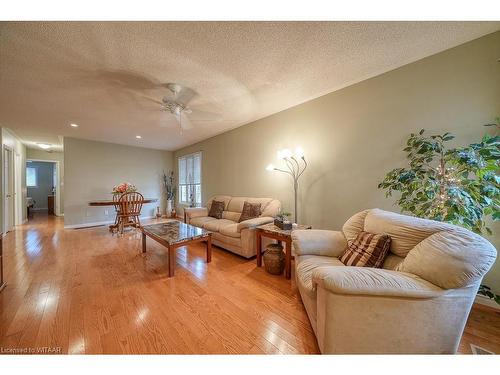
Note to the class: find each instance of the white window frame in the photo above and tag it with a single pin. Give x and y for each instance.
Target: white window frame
(36, 177)
(179, 185)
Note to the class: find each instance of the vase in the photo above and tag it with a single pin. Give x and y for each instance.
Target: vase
(274, 259)
(169, 207)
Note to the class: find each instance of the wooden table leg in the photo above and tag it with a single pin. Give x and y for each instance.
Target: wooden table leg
(288, 259)
(143, 242)
(258, 245)
(209, 249)
(172, 252)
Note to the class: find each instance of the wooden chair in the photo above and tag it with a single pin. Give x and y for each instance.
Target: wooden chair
(116, 203)
(130, 205)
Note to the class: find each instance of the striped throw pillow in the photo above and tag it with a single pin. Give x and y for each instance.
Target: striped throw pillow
(367, 250)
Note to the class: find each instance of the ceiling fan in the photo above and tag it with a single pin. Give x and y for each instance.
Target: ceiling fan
(176, 103)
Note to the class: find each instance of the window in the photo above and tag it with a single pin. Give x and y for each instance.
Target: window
(31, 177)
(190, 179)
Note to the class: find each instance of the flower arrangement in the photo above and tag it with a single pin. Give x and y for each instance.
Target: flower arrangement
(123, 188)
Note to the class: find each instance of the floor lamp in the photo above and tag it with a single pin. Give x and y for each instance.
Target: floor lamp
(295, 165)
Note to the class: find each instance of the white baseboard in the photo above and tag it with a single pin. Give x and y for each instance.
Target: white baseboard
(483, 300)
(99, 223)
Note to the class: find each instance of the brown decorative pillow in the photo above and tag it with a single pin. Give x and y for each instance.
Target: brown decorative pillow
(367, 250)
(250, 211)
(216, 209)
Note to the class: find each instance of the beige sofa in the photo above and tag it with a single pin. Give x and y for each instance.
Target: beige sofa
(417, 303)
(228, 233)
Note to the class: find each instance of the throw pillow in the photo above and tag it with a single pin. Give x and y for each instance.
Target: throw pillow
(250, 211)
(367, 250)
(216, 209)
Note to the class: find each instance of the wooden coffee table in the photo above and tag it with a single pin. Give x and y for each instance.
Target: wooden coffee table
(174, 234)
(274, 232)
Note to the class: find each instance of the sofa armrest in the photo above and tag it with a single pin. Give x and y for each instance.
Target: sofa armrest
(255, 222)
(192, 212)
(319, 242)
(374, 281)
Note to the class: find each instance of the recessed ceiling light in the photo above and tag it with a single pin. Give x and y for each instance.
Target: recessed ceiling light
(73, 125)
(138, 136)
(44, 146)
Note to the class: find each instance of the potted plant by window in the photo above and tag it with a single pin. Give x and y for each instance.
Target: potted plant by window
(170, 189)
(456, 185)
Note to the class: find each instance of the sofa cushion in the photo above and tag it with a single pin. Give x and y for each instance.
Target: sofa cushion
(231, 215)
(223, 198)
(216, 209)
(230, 230)
(250, 211)
(305, 266)
(367, 250)
(200, 221)
(216, 224)
(271, 209)
(406, 231)
(451, 259)
(236, 203)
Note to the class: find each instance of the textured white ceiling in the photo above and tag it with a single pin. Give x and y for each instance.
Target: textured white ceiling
(98, 74)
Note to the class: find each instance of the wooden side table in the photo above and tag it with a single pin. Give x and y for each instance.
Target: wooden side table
(274, 232)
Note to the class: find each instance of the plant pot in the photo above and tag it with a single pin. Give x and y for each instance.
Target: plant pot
(274, 259)
(168, 210)
(282, 225)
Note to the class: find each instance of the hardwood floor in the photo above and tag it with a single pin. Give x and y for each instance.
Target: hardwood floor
(86, 291)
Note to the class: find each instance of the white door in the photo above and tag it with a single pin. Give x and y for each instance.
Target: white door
(19, 204)
(8, 190)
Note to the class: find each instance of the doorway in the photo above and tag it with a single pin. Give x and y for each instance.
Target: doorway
(8, 189)
(43, 185)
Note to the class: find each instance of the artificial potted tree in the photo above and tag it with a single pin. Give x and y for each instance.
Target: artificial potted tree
(456, 185)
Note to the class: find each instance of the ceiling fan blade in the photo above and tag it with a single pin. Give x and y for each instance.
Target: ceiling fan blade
(197, 115)
(185, 121)
(185, 95)
(151, 99)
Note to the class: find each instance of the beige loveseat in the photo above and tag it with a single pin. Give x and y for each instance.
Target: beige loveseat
(417, 303)
(228, 233)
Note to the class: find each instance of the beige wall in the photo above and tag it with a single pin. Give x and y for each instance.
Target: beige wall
(36, 154)
(93, 168)
(353, 136)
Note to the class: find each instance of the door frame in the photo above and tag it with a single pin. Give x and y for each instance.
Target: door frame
(57, 169)
(19, 203)
(9, 210)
